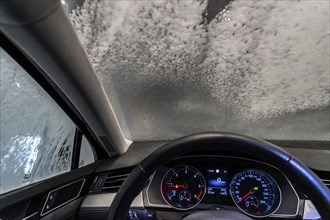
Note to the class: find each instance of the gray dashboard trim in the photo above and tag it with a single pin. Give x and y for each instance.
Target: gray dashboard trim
(104, 200)
(310, 211)
(147, 195)
(284, 215)
(299, 149)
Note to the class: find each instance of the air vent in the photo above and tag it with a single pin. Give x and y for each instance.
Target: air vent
(324, 176)
(113, 183)
(326, 182)
(110, 182)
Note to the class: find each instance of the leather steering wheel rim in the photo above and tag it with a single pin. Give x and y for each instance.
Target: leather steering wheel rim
(299, 175)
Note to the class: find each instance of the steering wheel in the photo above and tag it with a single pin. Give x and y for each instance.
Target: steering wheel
(300, 175)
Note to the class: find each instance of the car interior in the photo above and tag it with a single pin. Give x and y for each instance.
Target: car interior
(66, 152)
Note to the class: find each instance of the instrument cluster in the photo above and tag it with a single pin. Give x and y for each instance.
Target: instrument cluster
(249, 186)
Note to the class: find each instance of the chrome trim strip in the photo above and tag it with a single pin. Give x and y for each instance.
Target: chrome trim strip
(116, 176)
(42, 214)
(27, 217)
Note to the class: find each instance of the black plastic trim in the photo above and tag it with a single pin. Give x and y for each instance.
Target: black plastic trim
(76, 150)
(45, 212)
(23, 194)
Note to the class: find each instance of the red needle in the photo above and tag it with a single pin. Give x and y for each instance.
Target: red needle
(176, 186)
(200, 193)
(246, 195)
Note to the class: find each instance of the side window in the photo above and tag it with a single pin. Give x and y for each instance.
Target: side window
(86, 153)
(36, 136)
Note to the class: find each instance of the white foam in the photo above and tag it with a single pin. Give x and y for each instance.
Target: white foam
(260, 59)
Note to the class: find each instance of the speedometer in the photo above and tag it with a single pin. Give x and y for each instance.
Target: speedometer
(255, 193)
(183, 187)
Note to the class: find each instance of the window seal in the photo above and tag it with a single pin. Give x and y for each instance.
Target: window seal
(76, 149)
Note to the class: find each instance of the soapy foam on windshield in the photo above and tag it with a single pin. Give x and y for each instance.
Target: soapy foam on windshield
(260, 58)
(169, 73)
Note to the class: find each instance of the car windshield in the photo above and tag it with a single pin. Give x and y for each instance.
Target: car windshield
(172, 68)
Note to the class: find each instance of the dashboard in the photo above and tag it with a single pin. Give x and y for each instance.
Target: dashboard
(293, 204)
(192, 183)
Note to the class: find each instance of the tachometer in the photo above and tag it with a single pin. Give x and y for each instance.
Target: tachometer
(183, 187)
(255, 193)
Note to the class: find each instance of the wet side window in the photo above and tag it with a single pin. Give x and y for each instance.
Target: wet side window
(86, 153)
(36, 136)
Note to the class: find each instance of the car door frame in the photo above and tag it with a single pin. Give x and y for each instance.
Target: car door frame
(37, 192)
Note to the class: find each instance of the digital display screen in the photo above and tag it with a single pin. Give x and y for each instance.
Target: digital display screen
(217, 182)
